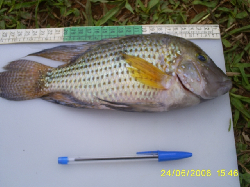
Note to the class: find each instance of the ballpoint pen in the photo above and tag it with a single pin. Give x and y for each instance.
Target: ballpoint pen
(151, 155)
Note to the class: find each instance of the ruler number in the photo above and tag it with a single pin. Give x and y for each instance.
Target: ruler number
(42, 33)
(34, 33)
(50, 32)
(19, 33)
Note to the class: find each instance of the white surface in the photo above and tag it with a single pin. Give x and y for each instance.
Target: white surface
(34, 133)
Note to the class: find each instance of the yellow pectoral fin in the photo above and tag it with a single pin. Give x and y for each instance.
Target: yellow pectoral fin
(146, 73)
(144, 78)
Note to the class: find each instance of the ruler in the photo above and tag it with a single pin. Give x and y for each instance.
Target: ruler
(95, 33)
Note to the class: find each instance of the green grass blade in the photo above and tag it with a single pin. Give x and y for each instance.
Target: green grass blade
(24, 5)
(67, 3)
(244, 75)
(2, 24)
(89, 14)
(128, 6)
(101, 1)
(141, 5)
(230, 124)
(235, 31)
(236, 117)
(1, 2)
(3, 10)
(238, 104)
(243, 65)
(241, 15)
(110, 14)
(224, 9)
(25, 15)
(245, 177)
(76, 12)
(19, 25)
(36, 9)
(236, 45)
(176, 4)
(226, 43)
(62, 11)
(151, 4)
(230, 20)
(198, 17)
(242, 98)
(211, 4)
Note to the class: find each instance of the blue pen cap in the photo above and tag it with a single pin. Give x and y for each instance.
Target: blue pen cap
(167, 155)
(63, 160)
(172, 155)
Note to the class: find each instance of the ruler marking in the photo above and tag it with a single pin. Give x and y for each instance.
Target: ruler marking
(90, 33)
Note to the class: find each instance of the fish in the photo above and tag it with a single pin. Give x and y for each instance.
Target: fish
(136, 73)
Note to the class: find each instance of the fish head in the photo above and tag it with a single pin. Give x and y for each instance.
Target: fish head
(199, 74)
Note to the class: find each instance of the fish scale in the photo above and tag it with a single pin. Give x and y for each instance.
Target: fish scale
(112, 80)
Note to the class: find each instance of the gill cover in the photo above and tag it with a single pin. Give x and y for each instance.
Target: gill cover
(200, 75)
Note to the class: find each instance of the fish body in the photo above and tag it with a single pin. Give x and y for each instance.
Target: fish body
(142, 73)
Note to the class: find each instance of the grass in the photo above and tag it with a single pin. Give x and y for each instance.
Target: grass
(232, 15)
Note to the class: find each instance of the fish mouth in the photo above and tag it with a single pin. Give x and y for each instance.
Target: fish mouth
(224, 87)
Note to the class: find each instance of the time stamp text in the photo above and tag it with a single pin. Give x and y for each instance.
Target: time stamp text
(198, 173)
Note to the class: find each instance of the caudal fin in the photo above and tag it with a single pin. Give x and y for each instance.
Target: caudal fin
(23, 80)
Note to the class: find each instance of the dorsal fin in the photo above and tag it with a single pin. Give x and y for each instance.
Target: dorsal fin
(70, 53)
(64, 53)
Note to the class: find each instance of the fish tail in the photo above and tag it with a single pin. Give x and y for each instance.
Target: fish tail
(23, 80)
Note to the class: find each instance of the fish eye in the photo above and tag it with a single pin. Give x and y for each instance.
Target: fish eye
(201, 57)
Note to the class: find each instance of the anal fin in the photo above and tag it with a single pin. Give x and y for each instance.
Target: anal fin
(134, 107)
(66, 100)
